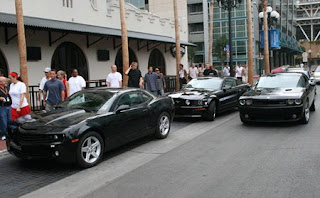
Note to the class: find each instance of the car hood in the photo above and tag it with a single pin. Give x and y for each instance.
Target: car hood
(275, 93)
(61, 118)
(191, 95)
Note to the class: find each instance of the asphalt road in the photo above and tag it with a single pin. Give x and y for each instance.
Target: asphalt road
(219, 159)
(231, 160)
(19, 177)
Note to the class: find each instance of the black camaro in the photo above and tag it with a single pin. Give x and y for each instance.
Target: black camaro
(206, 96)
(282, 97)
(91, 122)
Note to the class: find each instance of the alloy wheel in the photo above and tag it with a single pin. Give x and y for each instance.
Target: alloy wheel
(164, 125)
(91, 149)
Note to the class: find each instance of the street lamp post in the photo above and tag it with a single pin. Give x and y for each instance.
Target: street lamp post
(269, 17)
(228, 5)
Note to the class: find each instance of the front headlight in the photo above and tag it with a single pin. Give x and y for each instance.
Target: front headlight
(242, 102)
(290, 102)
(249, 102)
(297, 101)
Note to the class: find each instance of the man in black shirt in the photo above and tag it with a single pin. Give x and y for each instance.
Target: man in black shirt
(135, 77)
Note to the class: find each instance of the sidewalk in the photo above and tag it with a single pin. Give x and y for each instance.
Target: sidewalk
(2, 145)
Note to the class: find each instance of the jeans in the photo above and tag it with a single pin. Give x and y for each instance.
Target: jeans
(5, 118)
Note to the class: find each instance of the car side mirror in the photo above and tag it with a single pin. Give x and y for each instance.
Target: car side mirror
(226, 87)
(122, 108)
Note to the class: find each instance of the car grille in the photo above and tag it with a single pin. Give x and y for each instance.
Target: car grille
(182, 102)
(34, 138)
(269, 102)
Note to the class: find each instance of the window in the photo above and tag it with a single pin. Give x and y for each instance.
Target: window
(132, 99)
(302, 82)
(195, 8)
(196, 28)
(229, 82)
(67, 3)
(145, 97)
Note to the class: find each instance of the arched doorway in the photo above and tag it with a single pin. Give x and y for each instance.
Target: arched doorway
(119, 61)
(69, 56)
(3, 64)
(156, 59)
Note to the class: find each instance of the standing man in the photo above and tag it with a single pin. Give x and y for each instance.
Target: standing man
(5, 107)
(135, 77)
(193, 72)
(238, 71)
(151, 81)
(208, 71)
(226, 70)
(41, 86)
(56, 91)
(161, 82)
(114, 79)
(76, 82)
(182, 76)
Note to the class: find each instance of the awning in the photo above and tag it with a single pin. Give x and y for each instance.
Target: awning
(83, 28)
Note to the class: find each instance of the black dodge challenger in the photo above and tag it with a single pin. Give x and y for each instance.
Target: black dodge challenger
(204, 97)
(91, 122)
(282, 97)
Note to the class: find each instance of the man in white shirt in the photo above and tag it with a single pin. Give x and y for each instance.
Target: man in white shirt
(76, 82)
(193, 72)
(226, 70)
(239, 72)
(114, 79)
(41, 86)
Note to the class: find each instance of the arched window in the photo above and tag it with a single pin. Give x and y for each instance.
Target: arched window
(69, 56)
(3, 64)
(156, 59)
(119, 61)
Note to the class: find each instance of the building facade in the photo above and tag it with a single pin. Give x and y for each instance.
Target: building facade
(198, 15)
(86, 35)
(308, 29)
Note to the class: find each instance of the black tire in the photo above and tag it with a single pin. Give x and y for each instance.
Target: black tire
(211, 113)
(306, 114)
(163, 126)
(313, 106)
(80, 154)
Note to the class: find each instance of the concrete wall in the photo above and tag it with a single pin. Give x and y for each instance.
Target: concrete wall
(104, 13)
(96, 69)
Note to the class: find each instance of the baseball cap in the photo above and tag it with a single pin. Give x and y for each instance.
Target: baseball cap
(47, 69)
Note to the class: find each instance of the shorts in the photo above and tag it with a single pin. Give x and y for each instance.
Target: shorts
(23, 111)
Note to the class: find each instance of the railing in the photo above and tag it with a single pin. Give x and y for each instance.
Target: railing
(34, 89)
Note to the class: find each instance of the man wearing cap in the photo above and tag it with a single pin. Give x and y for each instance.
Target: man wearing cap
(42, 83)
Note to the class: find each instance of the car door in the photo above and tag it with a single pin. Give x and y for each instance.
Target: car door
(131, 122)
(310, 90)
(229, 97)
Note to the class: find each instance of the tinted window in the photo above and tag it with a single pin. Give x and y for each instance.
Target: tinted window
(302, 82)
(230, 82)
(131, 99)
(145, 97)
(278, 81)
(205, 83)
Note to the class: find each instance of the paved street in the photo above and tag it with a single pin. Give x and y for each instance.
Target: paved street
(199, 159)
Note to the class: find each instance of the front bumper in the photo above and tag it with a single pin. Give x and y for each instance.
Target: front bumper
(271, 114)
(190, 111)
(61, 150)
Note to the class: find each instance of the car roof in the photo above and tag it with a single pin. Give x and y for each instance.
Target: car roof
(287, 74)
(213, 77)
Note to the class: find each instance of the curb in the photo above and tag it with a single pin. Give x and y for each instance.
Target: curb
(3, 153)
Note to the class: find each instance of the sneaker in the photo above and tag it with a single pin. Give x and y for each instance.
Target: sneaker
(3, 138)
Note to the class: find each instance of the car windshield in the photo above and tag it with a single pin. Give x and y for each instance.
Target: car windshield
(278, 81)
(87, 100)
(318, 69)
(205, 83)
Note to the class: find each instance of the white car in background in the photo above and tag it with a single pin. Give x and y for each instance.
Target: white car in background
(316, 75)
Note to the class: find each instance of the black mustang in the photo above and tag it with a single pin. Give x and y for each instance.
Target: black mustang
(282, 97)
(91, 122)
(206, 96)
